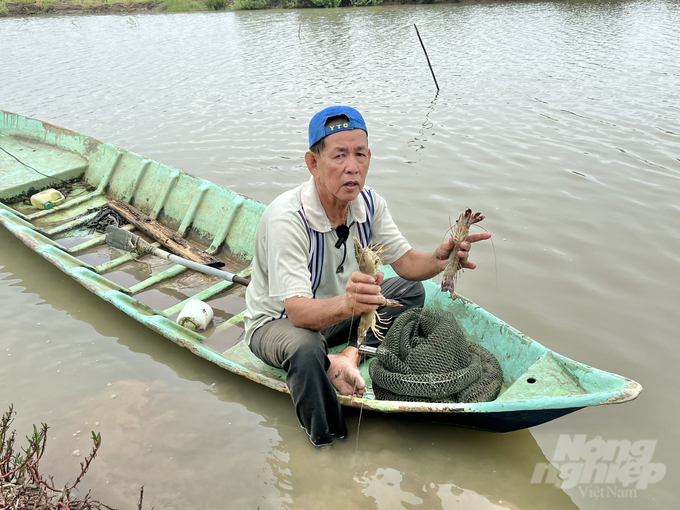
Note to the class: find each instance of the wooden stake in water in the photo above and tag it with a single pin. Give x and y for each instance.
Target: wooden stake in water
(427, 57)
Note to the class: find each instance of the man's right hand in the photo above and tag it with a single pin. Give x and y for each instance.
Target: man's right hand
(362, 293)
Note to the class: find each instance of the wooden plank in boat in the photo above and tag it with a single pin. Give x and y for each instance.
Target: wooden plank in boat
(159, 232)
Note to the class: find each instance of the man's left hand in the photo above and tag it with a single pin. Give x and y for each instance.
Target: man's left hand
(344, 372)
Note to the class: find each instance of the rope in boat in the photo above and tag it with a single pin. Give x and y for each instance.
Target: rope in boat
(105, 217)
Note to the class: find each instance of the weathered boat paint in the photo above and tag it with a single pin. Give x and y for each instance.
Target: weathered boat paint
(539, 384)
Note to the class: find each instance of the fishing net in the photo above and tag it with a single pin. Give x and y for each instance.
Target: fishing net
(426, 358)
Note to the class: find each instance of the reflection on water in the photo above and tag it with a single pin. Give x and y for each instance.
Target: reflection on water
(560, 121)
(426, 129)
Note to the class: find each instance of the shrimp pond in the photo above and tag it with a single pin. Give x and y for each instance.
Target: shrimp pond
(559, 121)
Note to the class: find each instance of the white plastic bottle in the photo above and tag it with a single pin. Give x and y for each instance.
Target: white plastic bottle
(48, 199)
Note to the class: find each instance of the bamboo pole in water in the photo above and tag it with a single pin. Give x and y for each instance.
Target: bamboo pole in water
(427, 57)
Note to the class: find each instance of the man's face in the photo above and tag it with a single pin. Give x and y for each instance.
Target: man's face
(340, 170)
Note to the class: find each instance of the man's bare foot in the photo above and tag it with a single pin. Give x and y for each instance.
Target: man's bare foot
(344, 372)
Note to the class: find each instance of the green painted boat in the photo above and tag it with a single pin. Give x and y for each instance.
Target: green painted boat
(539, 384)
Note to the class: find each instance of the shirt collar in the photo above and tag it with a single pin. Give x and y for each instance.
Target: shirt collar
(316, 214)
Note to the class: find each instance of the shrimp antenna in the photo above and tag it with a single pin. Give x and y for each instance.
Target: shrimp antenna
(449, 231)
(495, 259)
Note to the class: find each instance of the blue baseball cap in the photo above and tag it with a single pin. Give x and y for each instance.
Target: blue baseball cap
(318, 129)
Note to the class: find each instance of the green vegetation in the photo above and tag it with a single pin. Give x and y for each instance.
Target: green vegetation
(181, 6)
(327, 3)
(32, 7)
(81, 3)
(246, 5)
(29, 7)
(21, 483)
(295, 4)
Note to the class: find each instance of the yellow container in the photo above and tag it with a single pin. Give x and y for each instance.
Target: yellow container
(48, 199)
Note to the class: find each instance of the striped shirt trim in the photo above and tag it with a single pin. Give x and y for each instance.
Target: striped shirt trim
(316, 253)
(364, 229)
(317, 245)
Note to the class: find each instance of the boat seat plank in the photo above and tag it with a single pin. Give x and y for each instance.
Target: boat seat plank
(75, 205)
(242, 355)
(18, 180)
(171, 272)
(118, 261)
(70, 225)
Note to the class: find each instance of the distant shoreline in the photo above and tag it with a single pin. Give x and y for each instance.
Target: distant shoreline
(69, 7)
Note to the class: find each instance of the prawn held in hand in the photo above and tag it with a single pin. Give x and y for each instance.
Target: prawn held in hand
(460, 233)
(369, 260)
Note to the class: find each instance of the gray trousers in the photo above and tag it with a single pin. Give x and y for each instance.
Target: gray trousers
(303, 354)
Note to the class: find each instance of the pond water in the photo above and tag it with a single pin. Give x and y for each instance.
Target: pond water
(560, 121)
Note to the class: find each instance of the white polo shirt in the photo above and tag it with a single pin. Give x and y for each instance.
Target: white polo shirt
(295, 252)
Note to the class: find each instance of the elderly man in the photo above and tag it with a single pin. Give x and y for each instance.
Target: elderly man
(307, 293)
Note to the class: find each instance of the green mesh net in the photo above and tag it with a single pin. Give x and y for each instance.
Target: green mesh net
(426, 358)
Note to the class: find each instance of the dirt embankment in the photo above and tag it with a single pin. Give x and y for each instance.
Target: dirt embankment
(38, 9)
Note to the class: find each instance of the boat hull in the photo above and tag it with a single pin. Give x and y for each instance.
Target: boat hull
(499, 422)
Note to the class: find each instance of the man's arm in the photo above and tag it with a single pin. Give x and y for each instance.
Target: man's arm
(417, 265)
(362, 294)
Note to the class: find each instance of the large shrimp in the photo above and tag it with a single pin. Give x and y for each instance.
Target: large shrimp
(460, 233)
(369, 260)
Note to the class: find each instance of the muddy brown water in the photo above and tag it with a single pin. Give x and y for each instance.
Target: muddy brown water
(560, 121)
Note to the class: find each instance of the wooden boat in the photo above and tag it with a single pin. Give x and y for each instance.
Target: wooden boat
(539, 384)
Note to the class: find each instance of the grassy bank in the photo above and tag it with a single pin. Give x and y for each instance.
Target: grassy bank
(40, 7)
